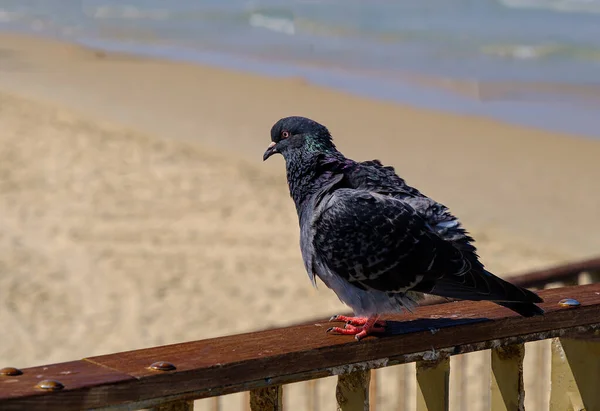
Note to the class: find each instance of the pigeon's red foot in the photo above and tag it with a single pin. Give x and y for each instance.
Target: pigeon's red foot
(355, 320)
(360, 327)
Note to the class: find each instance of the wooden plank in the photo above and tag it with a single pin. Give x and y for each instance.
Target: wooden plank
(564, 272)
(86, 385)
(433, 384)
(243, 362)
(267, 399)
(180, 405)
(508, 393)
(575, 373)
(352, 391)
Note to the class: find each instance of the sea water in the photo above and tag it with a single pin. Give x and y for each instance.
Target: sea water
(533, 62)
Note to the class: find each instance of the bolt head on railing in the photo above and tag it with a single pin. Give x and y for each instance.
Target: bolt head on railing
(569, 302)
(50, 385)
(162, 366)
(10, 372)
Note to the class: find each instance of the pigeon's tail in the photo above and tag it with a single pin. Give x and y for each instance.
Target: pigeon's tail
(516, 298)
(479, 284)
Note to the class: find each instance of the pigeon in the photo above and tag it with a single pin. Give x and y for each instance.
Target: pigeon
(379, 244)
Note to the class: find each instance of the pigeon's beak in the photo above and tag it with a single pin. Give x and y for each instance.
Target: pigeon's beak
(270, 151)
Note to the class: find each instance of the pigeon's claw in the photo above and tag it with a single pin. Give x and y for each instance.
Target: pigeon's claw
(355, 320)
(360, 327)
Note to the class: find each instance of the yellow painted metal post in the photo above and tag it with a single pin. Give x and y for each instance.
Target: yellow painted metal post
(402, 392)
(373, 391)
(246, 401)
(267, 399)
(352, 392)
(594, 276)
(458, 382)
(312, 395)
(575, 375)
(508, 392)
(433, 380)
(539, 395)
(181, 405)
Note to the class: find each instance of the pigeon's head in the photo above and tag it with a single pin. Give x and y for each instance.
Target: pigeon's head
(298, 135)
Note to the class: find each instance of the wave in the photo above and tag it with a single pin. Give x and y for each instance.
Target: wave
(522, 51)
(126, 12)
(537, 52)
(273, 23)
(566, 6)
(9, 16)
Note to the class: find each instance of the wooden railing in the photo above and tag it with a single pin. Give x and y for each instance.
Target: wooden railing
(585, 271)
(171, 377)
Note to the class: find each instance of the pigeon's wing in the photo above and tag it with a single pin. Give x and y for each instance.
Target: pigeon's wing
(380, 242)
(441, 221)
(375, 177)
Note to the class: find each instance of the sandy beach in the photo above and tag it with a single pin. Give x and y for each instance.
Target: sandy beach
(135, 209)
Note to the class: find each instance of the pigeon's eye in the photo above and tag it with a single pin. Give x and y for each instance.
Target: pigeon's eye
(285, 134)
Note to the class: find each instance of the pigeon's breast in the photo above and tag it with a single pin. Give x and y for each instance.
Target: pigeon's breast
(306, 239)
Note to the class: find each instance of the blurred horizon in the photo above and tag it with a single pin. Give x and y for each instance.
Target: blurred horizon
(532, 62)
